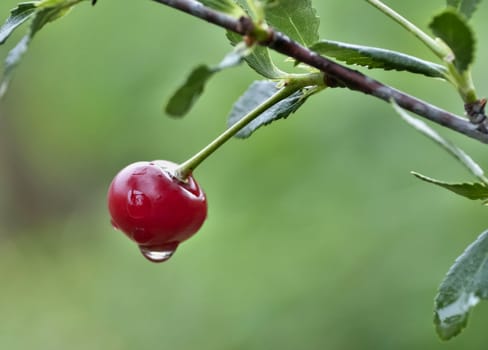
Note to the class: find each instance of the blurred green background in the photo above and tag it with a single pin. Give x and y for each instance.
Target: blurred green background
(317, 236)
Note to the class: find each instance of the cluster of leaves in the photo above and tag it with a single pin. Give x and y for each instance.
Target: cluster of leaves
(299, 20)
(40, 12)
(466, 282)
(454, 45)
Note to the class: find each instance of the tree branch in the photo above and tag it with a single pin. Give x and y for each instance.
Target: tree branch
(340, 74)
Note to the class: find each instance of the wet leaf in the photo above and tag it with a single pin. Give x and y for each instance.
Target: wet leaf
(464, 286)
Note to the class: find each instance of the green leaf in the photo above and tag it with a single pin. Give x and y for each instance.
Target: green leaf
(296, 18)
(18, 15)
(474, 191)
(186, 96)
(226, 6)
(466, 7)
(257, 93)
(464, 286)
(259, 59)
(373, 57)
(454, 30)
(452, 149)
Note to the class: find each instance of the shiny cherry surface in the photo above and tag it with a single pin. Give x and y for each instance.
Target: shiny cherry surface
(154, 208)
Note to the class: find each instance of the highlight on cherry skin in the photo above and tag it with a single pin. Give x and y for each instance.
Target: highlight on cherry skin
(156, 209)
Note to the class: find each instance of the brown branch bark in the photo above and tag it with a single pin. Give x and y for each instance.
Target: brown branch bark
(342, 75)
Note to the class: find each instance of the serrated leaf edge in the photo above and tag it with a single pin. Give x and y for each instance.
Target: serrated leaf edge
(472, 298)
(440, 71)
(451, 57)
(446, 185)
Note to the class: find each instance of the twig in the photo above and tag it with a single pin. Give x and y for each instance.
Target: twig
(342, 75)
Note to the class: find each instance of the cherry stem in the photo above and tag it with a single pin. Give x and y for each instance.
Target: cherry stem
(343, 76)
(185, 169)
(412, 28)
(461, 80)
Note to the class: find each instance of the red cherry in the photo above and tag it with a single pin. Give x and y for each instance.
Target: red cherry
(154, 208)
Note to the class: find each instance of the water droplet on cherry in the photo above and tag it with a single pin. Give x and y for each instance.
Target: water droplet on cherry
(138, 205)
(158, 255)
(154, 208)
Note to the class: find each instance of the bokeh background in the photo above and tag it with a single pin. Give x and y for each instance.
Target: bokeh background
(317, 236)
